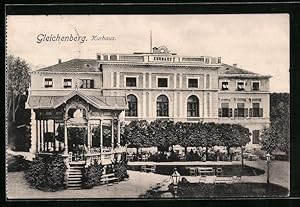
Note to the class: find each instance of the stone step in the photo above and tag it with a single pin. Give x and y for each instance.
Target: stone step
(74, 181)
(75, 178)
(75, 188)
(73, 185)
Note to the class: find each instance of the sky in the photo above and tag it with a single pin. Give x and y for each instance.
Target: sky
(256, 42)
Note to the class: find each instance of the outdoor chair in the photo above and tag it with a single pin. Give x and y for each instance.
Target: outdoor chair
(193, 171)
(223, 180)
(202, 179)
(236, 179)
(70, 156)
(219, 171)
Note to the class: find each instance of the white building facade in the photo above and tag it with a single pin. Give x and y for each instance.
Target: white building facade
(167, 86)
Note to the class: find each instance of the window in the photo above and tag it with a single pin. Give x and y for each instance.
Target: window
(87, 83)
(132, 105)
(193, 83)
(255, 86)
(113, 57)
(105, 57)
(162, 82)
(241, 86)
(240, 110)
(255, 137)
(130, 81)
(225, 85)
(193, 106)
(162, 105)
(256, 111)
(67, 83)
(225, 110)
(48, 83)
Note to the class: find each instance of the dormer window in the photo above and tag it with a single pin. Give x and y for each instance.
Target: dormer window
(67, 83)
(87, 83)
(224, 86)
(255, 86)
(48, 83)
(241, 86)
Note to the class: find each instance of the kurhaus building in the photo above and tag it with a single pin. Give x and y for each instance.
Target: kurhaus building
(155, 85)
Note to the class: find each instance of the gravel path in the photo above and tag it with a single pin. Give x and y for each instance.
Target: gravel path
(138, 183)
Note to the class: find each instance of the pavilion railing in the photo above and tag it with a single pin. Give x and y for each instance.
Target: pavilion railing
(105, 157)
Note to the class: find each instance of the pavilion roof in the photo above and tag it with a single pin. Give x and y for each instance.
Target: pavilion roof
(98, 101)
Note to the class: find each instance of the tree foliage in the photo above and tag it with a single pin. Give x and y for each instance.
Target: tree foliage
(277, 136)
(163, 134)
(18, 80)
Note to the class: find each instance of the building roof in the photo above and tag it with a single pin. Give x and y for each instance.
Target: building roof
(90, 65)
(229, 69)
(100, 102)
(74, 65)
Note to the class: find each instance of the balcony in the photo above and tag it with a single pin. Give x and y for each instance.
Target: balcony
(240, 112)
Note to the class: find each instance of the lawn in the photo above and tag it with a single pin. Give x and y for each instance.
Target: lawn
(196, 190)
(228, 170)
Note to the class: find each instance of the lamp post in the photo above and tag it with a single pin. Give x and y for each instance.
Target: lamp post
(242, 149)
(175, 178)
(268, 157)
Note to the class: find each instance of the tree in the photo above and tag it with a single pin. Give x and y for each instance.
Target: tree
(233, 135)
(162, 134)
(269, 139)
(212, 137)
(136, 134)
(183, 132)
(18, 80)
(17, 83)
(277, 136)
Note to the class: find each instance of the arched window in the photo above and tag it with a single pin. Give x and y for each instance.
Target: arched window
(193, 106)
(132, 105)
(162, 105)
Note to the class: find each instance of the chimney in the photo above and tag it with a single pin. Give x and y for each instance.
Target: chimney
(234, 64)
(59, 60)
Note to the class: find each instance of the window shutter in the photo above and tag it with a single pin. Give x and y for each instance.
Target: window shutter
(235, 112)
(250, 112)
(261, 112)
(220, 112)
(230, 112)
(246, 113)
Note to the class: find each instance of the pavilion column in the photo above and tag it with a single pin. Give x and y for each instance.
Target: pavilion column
(101, 135)
(89, 137)
(37, 135)
(112, 134)
(66, 137)
(54, 144)
(119, 135)
(46, 130)
(40, 136)
(43, 133)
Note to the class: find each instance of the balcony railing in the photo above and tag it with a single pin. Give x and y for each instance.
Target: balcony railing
(241, 112)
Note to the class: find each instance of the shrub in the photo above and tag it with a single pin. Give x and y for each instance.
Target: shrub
(121, 170)
(92, 175)
(173, 156)
(46, 173)
(158, 157)
(17, 163)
